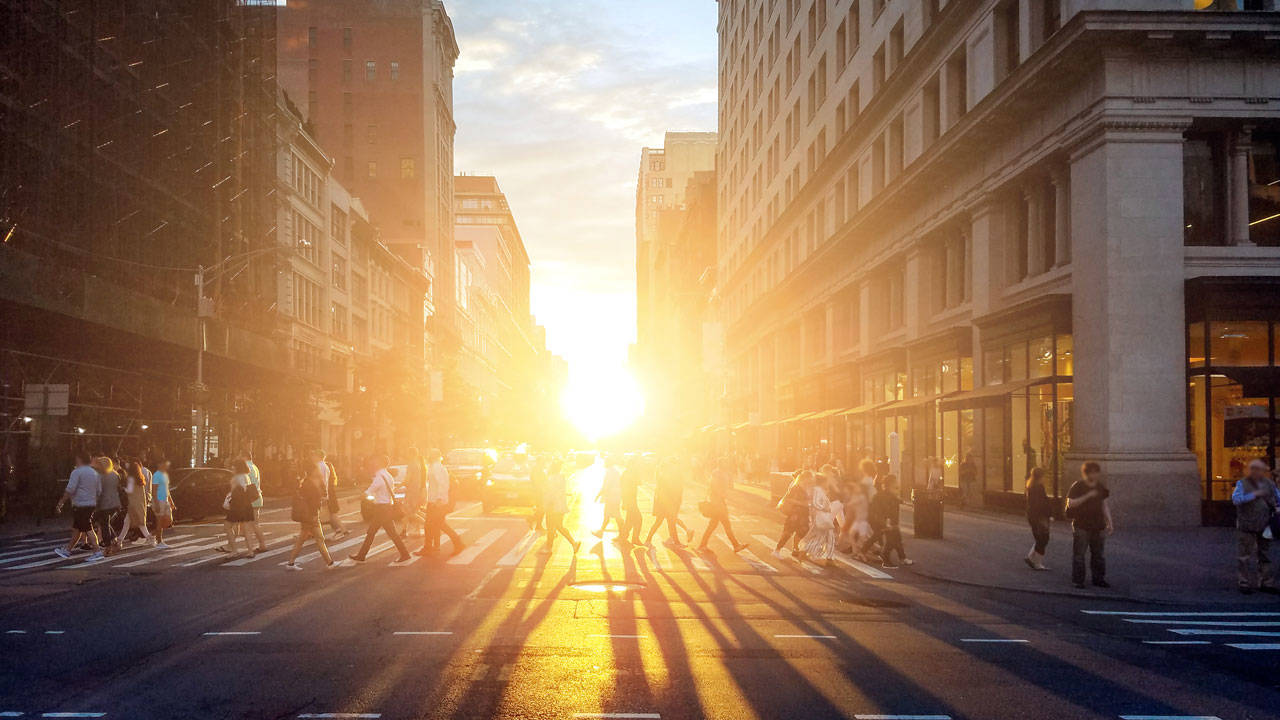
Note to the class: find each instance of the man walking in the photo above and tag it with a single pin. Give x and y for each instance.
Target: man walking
(82, 492)
(1090, 524)
(438, 505)
(1257, 502)
(255, 480)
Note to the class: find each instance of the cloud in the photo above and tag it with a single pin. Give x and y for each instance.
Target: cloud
(556, 98)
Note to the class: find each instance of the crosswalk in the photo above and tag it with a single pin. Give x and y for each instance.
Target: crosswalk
(1246, 630)
(497, 544)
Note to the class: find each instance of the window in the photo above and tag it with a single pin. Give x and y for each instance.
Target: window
(346, 38)
(655, 199)
(657, 164)
(339, 321)
(370, 70)
(306, 237)
(373, 169)
(395, 70)
(957, 77)
(1204, 168)
(311, 37)
(346, 104)
(855, 28)
(877, 70)
(406, 169)
(1009, 37)
(932, 111)
(313, 70)
(371, 134)
(896, 48)
(306, 300)
(346, 71)
(347, 133)
(1264, 188)
(339, 272)
(656, 182)
(305, 180)
(338, 225)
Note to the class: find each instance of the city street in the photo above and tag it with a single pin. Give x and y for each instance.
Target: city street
(503, 631)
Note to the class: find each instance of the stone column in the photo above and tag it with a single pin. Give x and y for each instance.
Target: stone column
(864, 316)
(1036, 260)
(1061, 184)
(915, 291)
(1128, 320)
(830, 355)
(1238, 188)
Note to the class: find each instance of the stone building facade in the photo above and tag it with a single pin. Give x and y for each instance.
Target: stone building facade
(1026, 233)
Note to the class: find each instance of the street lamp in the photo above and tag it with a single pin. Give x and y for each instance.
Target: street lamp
(204, 310)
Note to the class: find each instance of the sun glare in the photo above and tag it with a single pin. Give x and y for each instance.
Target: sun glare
(602, 401)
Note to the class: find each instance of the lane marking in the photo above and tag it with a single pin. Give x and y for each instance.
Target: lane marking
(620, 716)
(1196, 631)
(1170, 717)
(1181, 614)
(485, 581)
(627, 637)
(863, 568)
(517, 553)
(422, 632)
(1176, 642)
(15, 632)
(902, 717)
(11, 713)
(55, 632)
(1227, 623)
(473, 550)
(370, 716)
(233, 632)
(1254, 646)
(993, 640)
(818, 637)
(73, 714)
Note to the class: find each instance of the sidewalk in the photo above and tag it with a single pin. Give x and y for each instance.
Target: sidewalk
(986, 549)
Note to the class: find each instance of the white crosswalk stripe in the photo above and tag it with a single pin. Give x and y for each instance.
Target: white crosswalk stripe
(178, 550)
(180, 540)
(76, 560)
(863, 568)
(315, 554)
(522, 547)
(751, 558)
(473, 550)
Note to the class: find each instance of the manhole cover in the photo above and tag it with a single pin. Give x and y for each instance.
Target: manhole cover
(607, 586)
(874, 603)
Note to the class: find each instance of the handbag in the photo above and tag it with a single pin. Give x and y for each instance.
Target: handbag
(704, 507)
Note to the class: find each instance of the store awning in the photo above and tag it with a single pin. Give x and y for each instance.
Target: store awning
(740, 425)
(864, 408)
(899, 407)
(983, 396)
(826, 413)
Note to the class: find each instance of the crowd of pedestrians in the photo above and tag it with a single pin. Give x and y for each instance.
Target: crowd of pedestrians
(107, 510)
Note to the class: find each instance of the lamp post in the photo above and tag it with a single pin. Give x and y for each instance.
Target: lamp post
(204, 310)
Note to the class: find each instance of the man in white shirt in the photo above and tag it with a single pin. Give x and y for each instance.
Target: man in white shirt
(82, 492)
(438, 504)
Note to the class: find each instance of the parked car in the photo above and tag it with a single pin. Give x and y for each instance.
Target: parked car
(509, 483)
(198, 492)
(469, 469)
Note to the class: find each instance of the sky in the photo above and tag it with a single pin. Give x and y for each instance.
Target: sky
(556, 98)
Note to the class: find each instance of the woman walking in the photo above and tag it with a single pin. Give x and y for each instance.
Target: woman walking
(139, 495)
(239, 507)
(716, 506)
(668, 494)
(307, 502)
(794, 506)
(108, 504)
(556, 507)
(162, 500)
(381, 497)
(611, 495)
(1039, 516)
(819, 545)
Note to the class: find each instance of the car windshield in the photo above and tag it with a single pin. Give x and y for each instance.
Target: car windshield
(465, 457)
(512, 465)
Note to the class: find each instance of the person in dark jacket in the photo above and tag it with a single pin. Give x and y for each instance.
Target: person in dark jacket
(1039, 516)
(1257, 502)
(794, 506)
(307, 501)
(886, 515)
(1090, 525)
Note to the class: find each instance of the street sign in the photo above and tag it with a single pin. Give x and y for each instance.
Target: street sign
(46, 399)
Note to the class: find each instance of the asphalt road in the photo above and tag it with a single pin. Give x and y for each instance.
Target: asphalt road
(502, 631)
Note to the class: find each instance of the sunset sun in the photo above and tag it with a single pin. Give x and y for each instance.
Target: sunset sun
(602, 402)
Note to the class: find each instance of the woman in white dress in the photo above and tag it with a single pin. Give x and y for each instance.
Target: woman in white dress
(819, 545)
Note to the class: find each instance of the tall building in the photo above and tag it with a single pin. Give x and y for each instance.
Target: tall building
(1030, 233)
(375, 83)
(138, 153)
(664, 175)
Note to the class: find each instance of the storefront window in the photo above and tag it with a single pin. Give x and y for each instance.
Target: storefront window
(1017, 367)
(966, 436)
(1065, 406)
(1020, 444)
(993, 452)
(1196, 427)
(1041, 359)
(1065, 364)
(993, 364)
(1264, 189)
(951, 449)
(1203, 200)
(950, 373)
(1241, 432)
(966, 373)
(1195, 345)
(1238, 344)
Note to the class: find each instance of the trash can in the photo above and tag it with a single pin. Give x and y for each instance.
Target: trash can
(928, 515)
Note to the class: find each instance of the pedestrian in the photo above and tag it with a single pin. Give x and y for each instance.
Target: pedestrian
(633, 521)
(716, 507)
(1039, 516)
(857, 511)
(538, 475)
(885, 517)
(794, 507)
(1257, 502)
(162, 502)
(819, 543)
(381, 513)
(415, 494)
(307, 501)
(867, 477)
(1090, 516)
(82, 492)
(108, 504)
(239, 507)
(331, 498)
(439, 502)
(253, 488)
(668, 495)
(611, 495)
(555, 504)
(138, 492)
